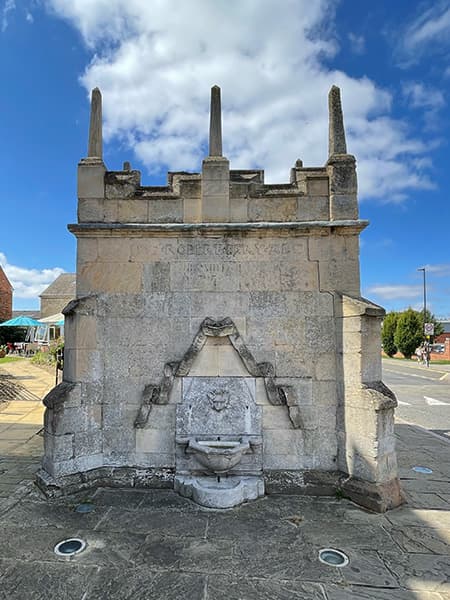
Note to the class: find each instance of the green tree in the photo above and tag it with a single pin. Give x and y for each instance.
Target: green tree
(12, 334)
(408, 334)
(388, 332)
(430, 318)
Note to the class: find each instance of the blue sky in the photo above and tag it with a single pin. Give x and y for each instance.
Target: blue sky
(155, 62)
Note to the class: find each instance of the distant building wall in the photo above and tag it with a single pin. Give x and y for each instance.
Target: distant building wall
(58, 294)
(52, 306)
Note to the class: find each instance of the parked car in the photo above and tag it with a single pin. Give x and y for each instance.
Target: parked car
(438, 348)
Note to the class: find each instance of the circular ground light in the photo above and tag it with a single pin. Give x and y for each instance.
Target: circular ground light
(85, 507)
(425, 470)
(333, 558)
(70, 547)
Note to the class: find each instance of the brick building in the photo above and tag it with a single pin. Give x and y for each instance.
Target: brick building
(6, 291)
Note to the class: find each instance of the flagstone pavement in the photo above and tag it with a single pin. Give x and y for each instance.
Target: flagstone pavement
(144, 544)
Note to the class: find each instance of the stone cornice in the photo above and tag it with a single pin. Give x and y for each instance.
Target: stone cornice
(347, 227)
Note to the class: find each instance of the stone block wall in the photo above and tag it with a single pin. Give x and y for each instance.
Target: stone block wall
(221, 275)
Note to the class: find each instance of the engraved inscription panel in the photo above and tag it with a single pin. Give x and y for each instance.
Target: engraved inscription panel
(233, 249)
(204, 276)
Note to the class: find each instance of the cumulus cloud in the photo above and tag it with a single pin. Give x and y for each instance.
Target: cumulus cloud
(156, 60)
(28, 283)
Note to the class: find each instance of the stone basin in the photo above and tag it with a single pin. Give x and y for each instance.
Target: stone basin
(218, 456)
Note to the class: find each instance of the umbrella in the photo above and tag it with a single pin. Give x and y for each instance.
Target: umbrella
(53, 319)
(20, 322)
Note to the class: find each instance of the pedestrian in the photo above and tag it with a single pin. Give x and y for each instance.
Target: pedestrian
(426, 355)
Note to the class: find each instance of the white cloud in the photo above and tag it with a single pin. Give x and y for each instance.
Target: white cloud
(8, 6)
(421, 96)
(357, 43)
(28, 283)
(428, 31)
(395, 292)
(442, 270)
(29, 17)
(426, 98)
(155, 61)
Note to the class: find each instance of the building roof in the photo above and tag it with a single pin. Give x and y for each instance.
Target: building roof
(4, 281)
(63, 286)
(33, 314)
(446, 326)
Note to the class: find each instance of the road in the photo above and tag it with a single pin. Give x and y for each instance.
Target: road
(423, 393)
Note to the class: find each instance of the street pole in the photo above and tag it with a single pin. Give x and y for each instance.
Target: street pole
(424, 299)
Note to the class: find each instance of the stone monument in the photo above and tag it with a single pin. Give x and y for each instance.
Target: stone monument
(218, 343)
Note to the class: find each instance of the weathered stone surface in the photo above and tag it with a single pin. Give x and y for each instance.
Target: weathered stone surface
(342, 174)
(114, 277)
(215, 190)
(336, 135)
(220, 279)
(90, 210)
(142, 583)
(239, 415)
(206, 276)
(215, 123)
(224, 494)
(43, 581)
(343, 206)
(91, 182)
(165, 210)
(95, 145)
(313, 208)
(272, 209)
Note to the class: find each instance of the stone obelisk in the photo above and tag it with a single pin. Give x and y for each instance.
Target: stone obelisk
(336, 131)
(216, 169)
(95, 145)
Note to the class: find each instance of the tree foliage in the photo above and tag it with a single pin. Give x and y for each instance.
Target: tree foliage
(388, 333)
(404, 331)
(430, 318)
(408, 333)
(12, 334)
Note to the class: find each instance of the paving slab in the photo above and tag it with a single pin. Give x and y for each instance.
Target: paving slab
(141, 584)
(231, 588)
(370, 593)
(44, 581)
(157, 522)
(156, 544)
(427, 572)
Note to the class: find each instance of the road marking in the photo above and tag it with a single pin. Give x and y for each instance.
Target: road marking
(411, 375)
(443, 376)
(400, 403)
(421, 368)
(434, 402)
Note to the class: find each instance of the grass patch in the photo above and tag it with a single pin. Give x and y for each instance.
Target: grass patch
(7, 359)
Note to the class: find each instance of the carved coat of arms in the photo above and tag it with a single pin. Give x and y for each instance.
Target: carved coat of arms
(219, 399)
